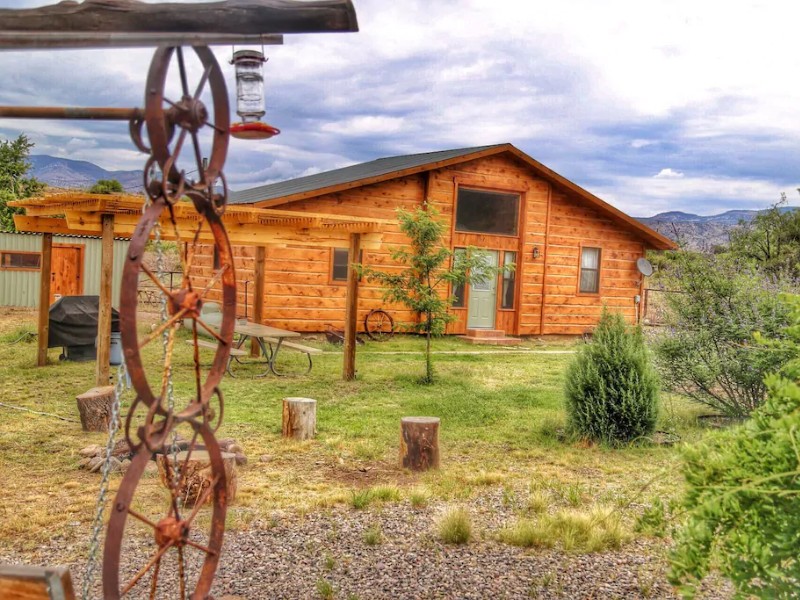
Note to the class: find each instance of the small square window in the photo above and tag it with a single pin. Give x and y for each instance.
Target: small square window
(590, 271)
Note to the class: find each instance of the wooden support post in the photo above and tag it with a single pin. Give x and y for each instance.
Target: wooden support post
(351, 313)
(299, 419)
(258, 294)
(419, 443)
(44, 298)
(103, 369)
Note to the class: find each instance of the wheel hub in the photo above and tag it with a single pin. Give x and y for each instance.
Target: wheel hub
(171, 531)
(189, 114)
(187, 300)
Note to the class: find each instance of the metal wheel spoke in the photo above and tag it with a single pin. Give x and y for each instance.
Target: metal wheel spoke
(197, 378)
(215, 128)
(182, 572)
(198, 156)
(154, 581)
(143, 571)
(182, 69)
(177, 150)
(213, 281)
(170, 102)
(202, 83)
(202, 500)
(155, 279)
(208, 328)
(174, 489)
(200, 547)
(189, 450)
(173, 319)
(141, 517)
(165, 377)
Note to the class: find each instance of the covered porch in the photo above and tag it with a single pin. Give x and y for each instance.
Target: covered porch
(110, 216)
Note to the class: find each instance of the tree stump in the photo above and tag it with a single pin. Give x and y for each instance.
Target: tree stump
(95, 406)
(197, 474)
(419, 443)
(299, 418)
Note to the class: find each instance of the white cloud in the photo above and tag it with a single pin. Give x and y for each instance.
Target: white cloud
(668, 174)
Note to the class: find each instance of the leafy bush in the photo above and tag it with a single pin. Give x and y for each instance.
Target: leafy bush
(612, 389)
(743, 494)
(708, 352)
(106, 186)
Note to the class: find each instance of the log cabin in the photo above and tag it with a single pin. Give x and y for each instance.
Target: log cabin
(573, 252)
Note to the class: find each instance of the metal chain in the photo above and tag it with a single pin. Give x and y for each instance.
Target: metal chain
(113, 427)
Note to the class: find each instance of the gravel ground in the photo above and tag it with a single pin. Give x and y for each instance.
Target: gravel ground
(296, 556)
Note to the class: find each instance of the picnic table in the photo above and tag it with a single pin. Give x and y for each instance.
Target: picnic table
(270, 340)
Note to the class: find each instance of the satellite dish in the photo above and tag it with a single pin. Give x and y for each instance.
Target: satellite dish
(644, 266)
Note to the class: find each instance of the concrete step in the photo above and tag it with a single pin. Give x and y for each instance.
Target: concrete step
(486, 333)
(491, 341)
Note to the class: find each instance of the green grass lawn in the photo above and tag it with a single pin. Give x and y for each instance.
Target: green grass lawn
(501, 413)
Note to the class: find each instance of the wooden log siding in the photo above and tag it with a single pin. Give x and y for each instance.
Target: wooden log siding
(299, 294)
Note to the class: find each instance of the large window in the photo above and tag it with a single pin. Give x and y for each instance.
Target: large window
(590, 271)
(21, 260)
(479, 211)
(509, 280)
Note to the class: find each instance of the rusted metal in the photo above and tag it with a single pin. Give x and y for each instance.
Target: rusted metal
(71, 112)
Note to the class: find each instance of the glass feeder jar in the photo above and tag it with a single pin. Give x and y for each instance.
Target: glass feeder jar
(249, 85)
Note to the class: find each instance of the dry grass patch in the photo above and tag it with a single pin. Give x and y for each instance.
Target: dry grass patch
(455, 527)
(595, 530)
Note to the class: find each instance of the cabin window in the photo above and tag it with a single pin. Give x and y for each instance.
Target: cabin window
(21, 260)
(459, 299)
(340, 264)
(479, 211)
(509, 280)
(590, 271)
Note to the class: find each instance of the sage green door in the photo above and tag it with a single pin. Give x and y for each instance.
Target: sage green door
(483, 298)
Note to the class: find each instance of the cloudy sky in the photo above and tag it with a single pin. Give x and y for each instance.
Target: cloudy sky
(653, 106)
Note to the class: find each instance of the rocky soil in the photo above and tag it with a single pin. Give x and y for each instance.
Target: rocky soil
(326, 554)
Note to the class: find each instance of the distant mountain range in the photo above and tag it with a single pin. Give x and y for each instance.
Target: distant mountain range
(698, 232)
(79, 174)
(694, 231)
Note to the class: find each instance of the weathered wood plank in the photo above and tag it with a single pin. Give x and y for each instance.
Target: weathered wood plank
(230, 16)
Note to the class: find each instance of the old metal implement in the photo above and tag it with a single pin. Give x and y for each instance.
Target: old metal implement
(185, 128)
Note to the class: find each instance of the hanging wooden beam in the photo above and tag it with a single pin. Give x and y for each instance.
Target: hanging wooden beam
(103, 368)
(44, 299)
(351, 314)
(258, 293)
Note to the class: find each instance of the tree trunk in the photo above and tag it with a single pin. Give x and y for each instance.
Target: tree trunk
(197, 474)
(299, 418)
(419, 443)
(95, 406)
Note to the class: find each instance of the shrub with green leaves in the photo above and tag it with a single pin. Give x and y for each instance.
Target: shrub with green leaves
(612, 388)
(743, 494)
(106, 186)
(707, 352)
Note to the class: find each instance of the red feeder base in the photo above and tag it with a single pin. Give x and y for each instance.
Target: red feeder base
(253, 131)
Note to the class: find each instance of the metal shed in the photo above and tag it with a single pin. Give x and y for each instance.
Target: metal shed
(75, 267)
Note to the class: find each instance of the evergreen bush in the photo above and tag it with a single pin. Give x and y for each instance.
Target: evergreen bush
(611, 387)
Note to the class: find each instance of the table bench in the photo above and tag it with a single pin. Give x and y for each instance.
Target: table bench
(235, 352)
(307, 350)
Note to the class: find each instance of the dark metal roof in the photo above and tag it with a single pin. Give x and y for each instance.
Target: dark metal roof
(375, 168)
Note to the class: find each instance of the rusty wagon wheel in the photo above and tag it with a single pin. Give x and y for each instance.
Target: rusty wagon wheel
(141, 345)
(199, 112)
(172, 552)
(379, 325)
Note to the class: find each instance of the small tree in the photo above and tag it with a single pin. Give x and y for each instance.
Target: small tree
(611, 387)
(743, 491)
(707, 352)
(106, 186)
(14, 184)
(425, 274)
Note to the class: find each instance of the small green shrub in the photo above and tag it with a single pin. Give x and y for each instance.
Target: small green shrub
(325, 589)
(360, 498)
(612, 389)
(106, 186)
(455, 527)
(419, 498)
(373, 535)
(653, 521)
(385, 493)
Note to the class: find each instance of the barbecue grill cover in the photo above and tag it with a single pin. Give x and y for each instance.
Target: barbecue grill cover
(73, 321)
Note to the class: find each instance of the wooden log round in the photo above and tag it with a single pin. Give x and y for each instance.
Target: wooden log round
(197, 474)
(419, 443)
(95, 407)
(299, 420)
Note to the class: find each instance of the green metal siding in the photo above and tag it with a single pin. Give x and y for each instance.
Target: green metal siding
(21, 288)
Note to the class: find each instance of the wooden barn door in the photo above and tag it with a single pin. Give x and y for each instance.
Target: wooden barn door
(66, 274)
